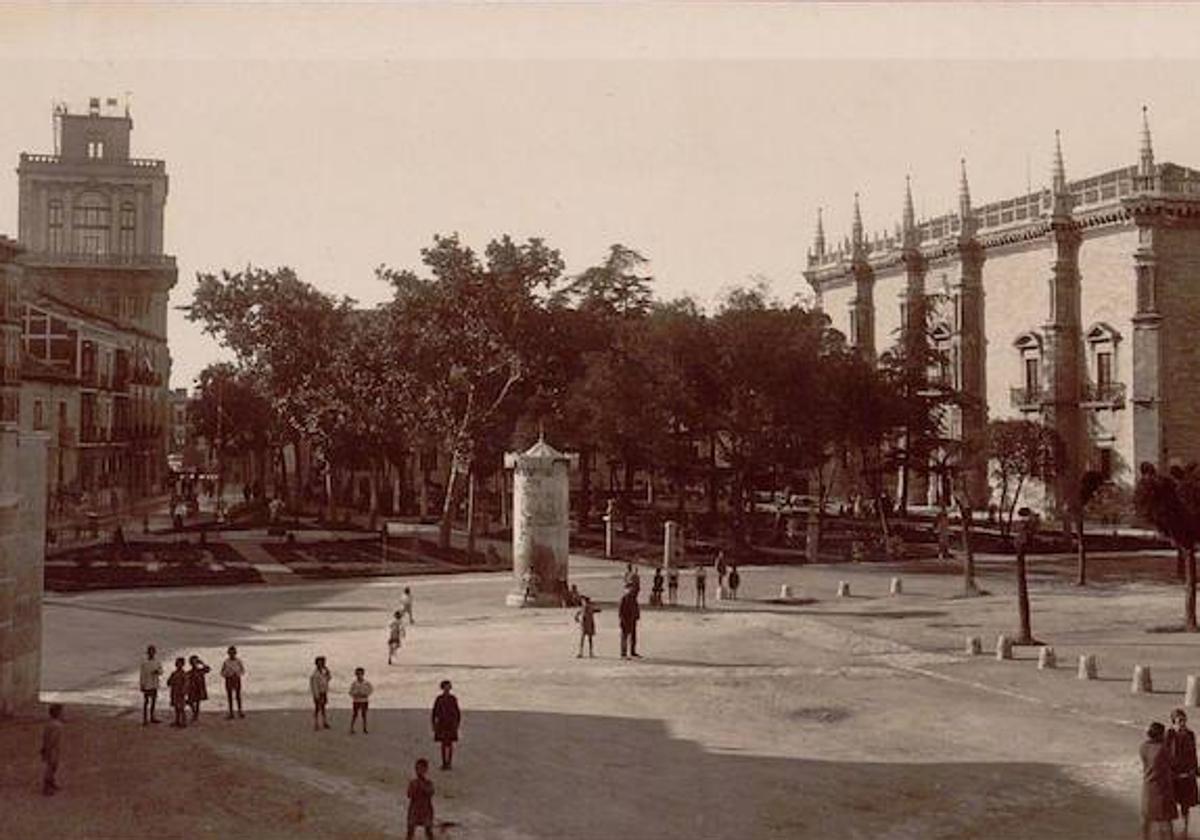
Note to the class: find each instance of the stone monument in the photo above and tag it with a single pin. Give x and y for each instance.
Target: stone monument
(541, 523)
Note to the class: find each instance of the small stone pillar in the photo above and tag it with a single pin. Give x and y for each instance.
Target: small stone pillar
(785, 592)
(541, 524)
(672, 543)
(843, 590)
(610, 516)
(1191, 697)
(897, 586)
(1087, 667)
(1047, 659)
(974, 645)
(1141, 683)
(1003, 647)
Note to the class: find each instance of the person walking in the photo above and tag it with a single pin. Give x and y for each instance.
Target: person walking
(1158, 794)
(1181, 747)
(672, 586)
(420, 802)
(719, 568)
(318, 684)
(585, 617)
(149, 675)
(395, 634)
(197, 685)
(178, 683)
(701, 603)
(632, 579)
(360, 693)
(446, 717)
(406, 605)
(629, 614)
(656, 589)
(735, 580)
(52, 749)
(233, 669)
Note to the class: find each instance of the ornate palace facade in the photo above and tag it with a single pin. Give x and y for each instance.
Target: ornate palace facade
(1078, 304)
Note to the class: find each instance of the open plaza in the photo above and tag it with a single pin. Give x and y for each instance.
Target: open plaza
(859, 716)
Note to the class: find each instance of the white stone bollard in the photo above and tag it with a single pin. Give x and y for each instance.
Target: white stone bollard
(1191, 697)
(897, 586)
(1087, 667)
(843, 590)
(974, 645)
(785, 592)
(1142, 683)
(1047, 659)
(1003, 647)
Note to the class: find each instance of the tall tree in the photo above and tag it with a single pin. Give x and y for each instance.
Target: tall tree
(1019, 450)
(1171, 503)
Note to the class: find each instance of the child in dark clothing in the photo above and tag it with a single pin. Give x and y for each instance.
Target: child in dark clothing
(197, 685)
(420, 802)
(178, 684)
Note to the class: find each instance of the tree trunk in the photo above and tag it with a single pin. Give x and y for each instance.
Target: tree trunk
(373, 481)
(448, 504)
(1190, 599)
(585, 488)
(713, 484)
(902, 502)
(471, 512)
(970, 588)
(1026, 637)
(329, 511)
(1081, 579)
(1179, 564)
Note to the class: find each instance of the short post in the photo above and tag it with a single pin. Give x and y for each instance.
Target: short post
(1141, 680)
(843, 590)
(1087, 667)
(897, 586)
(670, 539)
(1003, 647)
(608, 528)
(974, 645)
(1191, 697)
(785, 592)
(1047, 659)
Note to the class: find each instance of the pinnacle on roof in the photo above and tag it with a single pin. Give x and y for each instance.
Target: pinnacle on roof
(964, 189)
(1062, 198)
(908, 222)
(856, 230)
(1146, 162)
(819, 241)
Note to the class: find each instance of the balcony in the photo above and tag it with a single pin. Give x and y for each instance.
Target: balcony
(34, 158)
(1028, 399)
(1103, 395)
(46, 258)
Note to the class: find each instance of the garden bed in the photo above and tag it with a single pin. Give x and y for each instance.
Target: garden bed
(137, 565)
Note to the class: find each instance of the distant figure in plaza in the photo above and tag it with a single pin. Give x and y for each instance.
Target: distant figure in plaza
(445, 718)
(656, 589)
(318, 684)
(360, 693)
(233, 669)
(942, 525)
(51, 749)
(735, 580)
(197, 685)
(585, 617)
(632, 579)
(719, 568)
(672, 586)
(1181, 747)
(1158, 793)
(395, 634)
(420, 802)
(149, 675)
(178, 683)
(629, 613)
(406, 605)
(700, 602)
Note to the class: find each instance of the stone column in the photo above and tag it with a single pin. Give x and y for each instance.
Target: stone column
(672, 544)
(972, 354)
(541, 524)
(1148, 444)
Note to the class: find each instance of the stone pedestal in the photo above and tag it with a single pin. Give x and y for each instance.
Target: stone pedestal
(610, 516)
(843, 589)
(974, 645)
(1191, 696)
(1087, 667)
(22, 553)
(1141, 683)
(672, 544)
(897, 586)
(1047, 659)
(1004, 647)
(541, 524)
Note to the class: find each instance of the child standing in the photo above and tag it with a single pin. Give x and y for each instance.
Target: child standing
(178, 683)
(446, 718)
(735, 580)
(318, 683)
(51, 749)
(420, 802)
(233, 670)
(360, 691)
(149, 674)
(585, 617)
(700, 601)
(395, 634)
(672, 586)
(406, 605)
(197, 685)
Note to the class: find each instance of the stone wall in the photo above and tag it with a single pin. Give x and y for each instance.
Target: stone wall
(22, 547)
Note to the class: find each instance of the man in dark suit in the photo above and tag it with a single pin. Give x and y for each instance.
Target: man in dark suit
(629, 614)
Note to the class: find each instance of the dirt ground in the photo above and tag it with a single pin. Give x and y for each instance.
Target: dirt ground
(855, 717)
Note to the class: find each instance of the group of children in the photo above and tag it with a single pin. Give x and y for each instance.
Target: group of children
(188, 685)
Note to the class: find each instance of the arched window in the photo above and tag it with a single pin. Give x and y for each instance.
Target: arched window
(92, 224)
(1028, 397)
(1103, 387)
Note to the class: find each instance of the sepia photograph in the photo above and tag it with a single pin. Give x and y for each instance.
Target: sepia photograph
(599, 420)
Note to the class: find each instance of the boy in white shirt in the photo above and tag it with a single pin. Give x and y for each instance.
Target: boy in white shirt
(319, 684)
(149, 675)
(395, 634)
(233, 669)
(360, 691)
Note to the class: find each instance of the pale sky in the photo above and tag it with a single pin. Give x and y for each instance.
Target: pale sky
(333, 139)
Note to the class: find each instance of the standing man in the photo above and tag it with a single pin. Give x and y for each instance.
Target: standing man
(700, 602)
(148, 678)
(719, 567)
(51, 749)
(406, 605)
(233, 669)
(446, 718)
(672, 586)
(629, 614)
